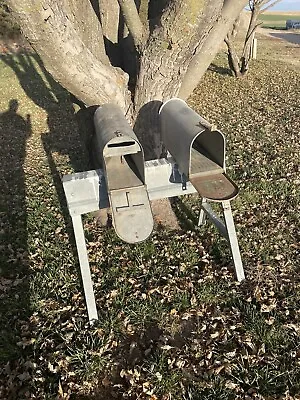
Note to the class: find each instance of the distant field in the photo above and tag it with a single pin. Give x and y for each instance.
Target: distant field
(277, 20)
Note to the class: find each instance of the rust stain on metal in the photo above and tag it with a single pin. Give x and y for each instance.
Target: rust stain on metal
(215, 187)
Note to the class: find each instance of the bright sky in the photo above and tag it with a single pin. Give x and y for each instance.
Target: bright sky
(287, 5)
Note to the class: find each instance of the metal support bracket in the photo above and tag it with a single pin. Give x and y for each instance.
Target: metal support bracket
(86, 192)
(227, 230)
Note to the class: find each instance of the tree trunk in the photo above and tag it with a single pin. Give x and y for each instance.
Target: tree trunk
(209, 48)
(164, 63)
(82, 42)
(66, 55)
(233, 59)
(110, 17)
(248, 40)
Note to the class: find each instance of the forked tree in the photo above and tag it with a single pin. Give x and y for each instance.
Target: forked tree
(128, 52)
(240, 66)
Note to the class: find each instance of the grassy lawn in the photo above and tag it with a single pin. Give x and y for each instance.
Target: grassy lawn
(173, 323)
(277, 20)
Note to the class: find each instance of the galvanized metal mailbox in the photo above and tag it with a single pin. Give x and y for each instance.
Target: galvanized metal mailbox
(122, 158)
(198, 150)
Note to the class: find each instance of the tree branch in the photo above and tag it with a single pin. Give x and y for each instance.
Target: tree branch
(269, 6)
(252, 30)
(66, 57)
(109, 17)
(171, 46)
(233, 59)
(206, 53)
(133, 22)
(92, 38)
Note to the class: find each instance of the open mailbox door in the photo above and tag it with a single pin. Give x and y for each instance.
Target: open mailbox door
(122, 159)
(198, 150)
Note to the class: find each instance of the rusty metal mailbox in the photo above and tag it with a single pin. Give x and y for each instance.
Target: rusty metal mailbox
(198, 150)
(122, 158)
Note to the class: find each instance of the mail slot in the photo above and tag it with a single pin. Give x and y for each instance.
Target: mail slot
(198, 150)
(122, 160)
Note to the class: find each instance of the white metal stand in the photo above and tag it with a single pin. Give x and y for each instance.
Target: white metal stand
(86, 192)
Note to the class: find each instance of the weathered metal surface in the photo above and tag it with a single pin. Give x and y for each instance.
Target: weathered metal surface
(84, 267)
(122, 158)
(217, 187)
(198, 150)
(233, 242)
(85, 191)
(164, 180)
(179, 127)
(132, 218)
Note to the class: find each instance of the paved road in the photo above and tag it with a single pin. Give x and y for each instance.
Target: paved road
(288, 36)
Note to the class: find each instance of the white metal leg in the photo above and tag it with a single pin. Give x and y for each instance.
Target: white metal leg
(214, 219)
(202, 216)
(85, 268)
(232, 238)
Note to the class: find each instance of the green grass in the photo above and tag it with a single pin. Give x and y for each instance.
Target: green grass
(173, 323)
(276, 21)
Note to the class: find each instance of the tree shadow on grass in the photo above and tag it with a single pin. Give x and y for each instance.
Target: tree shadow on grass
(220, 70)
(215, 245)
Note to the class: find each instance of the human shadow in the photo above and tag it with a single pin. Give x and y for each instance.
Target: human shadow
(14, 133)
(62, 136)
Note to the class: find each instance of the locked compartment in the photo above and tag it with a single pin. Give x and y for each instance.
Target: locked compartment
(121, 156)
(198, 150)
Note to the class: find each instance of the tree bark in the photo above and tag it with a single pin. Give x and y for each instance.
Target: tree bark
(78, 12)
(133, 22)
(207, 51)
(174, 51)
(171, 47)
(65, 55)
(164, 61)
(109, 14)
(248, 40)
(233, 59)
(110, 17)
